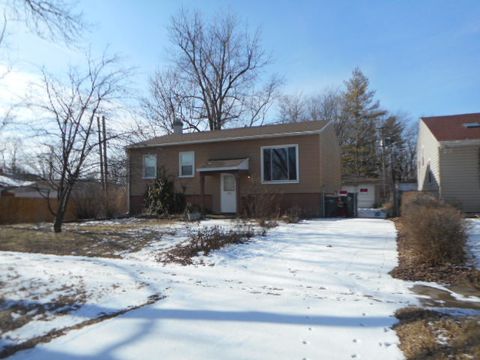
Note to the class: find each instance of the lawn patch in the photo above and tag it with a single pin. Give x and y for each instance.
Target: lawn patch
(429, 335)
(94, 239)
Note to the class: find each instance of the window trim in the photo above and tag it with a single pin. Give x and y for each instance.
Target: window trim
(143, 166)
(180, 175)
(274, 182)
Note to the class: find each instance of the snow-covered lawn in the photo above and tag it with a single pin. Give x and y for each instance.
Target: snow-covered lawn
(40, 292)
(315, 290)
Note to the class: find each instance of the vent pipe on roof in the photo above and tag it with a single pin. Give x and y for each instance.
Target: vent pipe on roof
(177, 127)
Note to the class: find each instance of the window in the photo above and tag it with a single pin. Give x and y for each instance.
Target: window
(228, 183)
(149, 166)
(187, 164)
(280, 164)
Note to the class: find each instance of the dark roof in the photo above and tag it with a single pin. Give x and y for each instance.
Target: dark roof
(356, 180)
(278, 130)
(453, 127)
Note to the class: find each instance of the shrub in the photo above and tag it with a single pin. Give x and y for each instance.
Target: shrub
(89, 201)
(262, 204)
(117, 202)
(435, 231)
(267, 224)
(293, 215)
(161, 198)
(206, 240)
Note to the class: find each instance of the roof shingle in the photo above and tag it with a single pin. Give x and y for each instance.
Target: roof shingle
(234, 134)
(452, 127)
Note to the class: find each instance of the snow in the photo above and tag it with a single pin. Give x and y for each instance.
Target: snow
(7, 182)
(474, 241)
(319, 289)
(372, 213)
(108, 286)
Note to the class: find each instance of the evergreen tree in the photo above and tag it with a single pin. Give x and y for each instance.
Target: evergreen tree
(361, 114)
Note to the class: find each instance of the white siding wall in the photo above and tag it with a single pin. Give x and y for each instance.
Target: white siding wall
(428, 160)
(460, 176)
(366, 194)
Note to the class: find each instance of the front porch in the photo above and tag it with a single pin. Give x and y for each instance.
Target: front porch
(229, 171)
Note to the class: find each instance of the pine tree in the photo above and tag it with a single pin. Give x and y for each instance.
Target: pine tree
(361, 114)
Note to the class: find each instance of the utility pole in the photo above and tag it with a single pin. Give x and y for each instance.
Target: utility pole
(105, 166)
(105, 171)
(100, 150)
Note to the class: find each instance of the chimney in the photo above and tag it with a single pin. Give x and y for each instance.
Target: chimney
(177, 127)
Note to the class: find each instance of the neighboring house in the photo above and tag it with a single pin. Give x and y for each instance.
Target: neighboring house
(448, 159)
(222, 170)
(21, 200)
(367, 189)
(24, 186)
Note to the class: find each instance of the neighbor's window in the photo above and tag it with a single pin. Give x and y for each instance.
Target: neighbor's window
(187, 164)
(280, 163)
(150, 166)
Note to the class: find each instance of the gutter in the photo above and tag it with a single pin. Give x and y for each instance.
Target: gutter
(459, 143)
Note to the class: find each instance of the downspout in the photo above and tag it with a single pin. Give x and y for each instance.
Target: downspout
(128, 181)
(439, 165)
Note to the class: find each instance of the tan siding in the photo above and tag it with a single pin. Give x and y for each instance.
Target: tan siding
(330, 166)
(460, 177)
(427, 148)
(309, 165)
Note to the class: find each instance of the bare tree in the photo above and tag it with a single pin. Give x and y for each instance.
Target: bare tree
(217, 71)
(72, 107)
(410, 136)
(292, 108)
(47, 18)
(51, 19)
(170, 100)
(328, 106)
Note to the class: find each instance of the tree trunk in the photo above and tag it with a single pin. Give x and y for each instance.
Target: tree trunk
(61, 210)
(57, 225)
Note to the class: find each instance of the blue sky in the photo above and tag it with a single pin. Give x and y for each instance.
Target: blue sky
(422, 57)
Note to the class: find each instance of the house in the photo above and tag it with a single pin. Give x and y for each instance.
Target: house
(23, 198)
(448, 159)
(24, 186)
(223, 170)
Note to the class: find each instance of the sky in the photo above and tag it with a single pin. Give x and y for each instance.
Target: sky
(422, 56)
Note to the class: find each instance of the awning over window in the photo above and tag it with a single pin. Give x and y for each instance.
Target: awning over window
(213, 166)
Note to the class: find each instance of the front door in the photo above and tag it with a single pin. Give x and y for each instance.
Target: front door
(228, 194)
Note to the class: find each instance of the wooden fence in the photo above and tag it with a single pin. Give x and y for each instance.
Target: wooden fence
(14, 210)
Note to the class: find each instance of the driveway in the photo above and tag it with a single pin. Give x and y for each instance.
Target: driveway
(315, 290)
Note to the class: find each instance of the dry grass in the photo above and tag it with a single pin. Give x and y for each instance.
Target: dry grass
(15, 314)
(428, 335)
(89, 239)
(409, 267)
